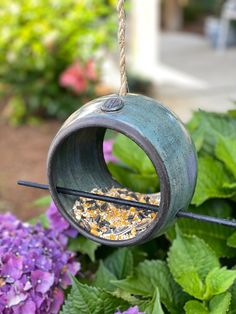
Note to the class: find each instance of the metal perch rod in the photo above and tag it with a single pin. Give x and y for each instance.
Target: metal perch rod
(120, 201)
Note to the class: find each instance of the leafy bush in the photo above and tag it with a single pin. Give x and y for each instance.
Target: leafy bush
(39, 40)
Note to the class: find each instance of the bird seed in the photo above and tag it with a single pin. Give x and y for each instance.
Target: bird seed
(115, 222)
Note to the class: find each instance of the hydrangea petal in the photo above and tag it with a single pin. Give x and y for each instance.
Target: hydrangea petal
(15, 298)
(58, 299)
(12, 267)
(28, 307)
(131, 310)
(42, 281)
(58, 223)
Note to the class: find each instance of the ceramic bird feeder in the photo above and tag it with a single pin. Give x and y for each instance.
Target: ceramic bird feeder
(76, 161)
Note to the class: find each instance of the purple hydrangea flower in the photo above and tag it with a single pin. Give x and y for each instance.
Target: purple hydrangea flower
(34, 268)
(107, 151)
(58, 222)
(131, 310)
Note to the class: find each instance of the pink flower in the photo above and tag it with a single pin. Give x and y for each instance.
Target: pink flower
(90, 71)
(107, 151)
(74, 78)
(77, 76)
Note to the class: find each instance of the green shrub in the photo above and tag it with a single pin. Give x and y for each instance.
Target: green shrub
(39, 40)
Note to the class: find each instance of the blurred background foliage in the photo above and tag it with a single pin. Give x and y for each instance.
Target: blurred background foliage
(197, 9)
(39, 40)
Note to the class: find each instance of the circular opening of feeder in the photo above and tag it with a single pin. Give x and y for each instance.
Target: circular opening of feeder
(135, 179)
(78, 161)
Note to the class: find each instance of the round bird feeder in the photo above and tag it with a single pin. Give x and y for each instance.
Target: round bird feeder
(76, 160)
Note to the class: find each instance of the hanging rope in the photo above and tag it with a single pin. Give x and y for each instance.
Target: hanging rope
(121, 40)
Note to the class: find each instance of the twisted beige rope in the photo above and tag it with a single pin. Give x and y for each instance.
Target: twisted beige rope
(121, 40)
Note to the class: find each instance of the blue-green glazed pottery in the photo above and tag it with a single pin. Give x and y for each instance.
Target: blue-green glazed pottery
(76, 161)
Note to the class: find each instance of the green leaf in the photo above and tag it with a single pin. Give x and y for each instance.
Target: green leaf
(81, 299)
(198, 139)
(226, 151)
(195, 307)
(153, 306)
(220, 303)
(125, 296)
(149, 275)
(232, 112)
(233, 299)
(144, 183)
(190, 259)
(120, 263)
(138, 160)
(210, 126)
(213, 234)
(42, 201)
(192, 284)
(232, 240)
(214, 207)
(40, 219)
(109, 304)
(218, 281)
(103, 278)
(84, 246)
(85, 299)
(211, 180)
(231, 185)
